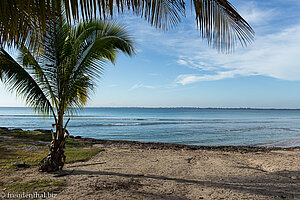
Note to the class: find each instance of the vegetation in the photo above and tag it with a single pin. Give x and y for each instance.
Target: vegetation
(11, 153)
(34, 186)
(29, 147)
(76, 155)
(58, 78)
(37, 136)
(218, 21)
(58, 63)
(32, 135)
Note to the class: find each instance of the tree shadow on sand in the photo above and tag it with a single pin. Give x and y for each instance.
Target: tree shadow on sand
(271, 184)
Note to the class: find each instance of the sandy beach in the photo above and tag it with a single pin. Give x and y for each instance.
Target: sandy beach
(142, 171)
(149, 99)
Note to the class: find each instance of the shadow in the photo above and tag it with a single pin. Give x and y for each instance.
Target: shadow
(83, 165)
(294, 175)
(151, 195)
(270, 185)
(253, 168)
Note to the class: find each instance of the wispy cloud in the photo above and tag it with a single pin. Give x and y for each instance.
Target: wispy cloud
(256, 15)
(195, 64)
(187, 79)
(274, 55)
(139, 85)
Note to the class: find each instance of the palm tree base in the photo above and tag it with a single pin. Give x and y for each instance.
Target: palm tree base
(54, 161)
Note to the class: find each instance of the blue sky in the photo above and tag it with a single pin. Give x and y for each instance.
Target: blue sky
(177, 68)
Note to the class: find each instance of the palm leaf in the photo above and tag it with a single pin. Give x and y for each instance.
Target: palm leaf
(20, 81)
(218, 21)
(94, 43)
(29, 62)
(221, 25)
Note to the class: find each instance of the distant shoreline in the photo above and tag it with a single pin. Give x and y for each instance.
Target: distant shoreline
(200, 108)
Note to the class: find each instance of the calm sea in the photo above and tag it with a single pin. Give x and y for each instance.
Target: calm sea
(174, 125)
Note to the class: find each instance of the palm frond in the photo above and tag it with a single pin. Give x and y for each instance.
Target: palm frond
(40, 73)
(94, 43)
(159, 13)
(221, 24)
(53, 53)
(25, 21)
(20, 81)
(22, 21)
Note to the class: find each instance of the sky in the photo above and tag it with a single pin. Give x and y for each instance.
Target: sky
(178, 69)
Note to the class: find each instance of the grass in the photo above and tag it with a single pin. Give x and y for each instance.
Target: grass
(30, 157)
(24, 147)
(30, 135)
(31, 147)
(36, 185)
(75, 154)
(33, 157)
(70, 142)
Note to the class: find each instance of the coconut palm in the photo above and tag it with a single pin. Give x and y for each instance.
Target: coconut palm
(59, 78)
(218, 20)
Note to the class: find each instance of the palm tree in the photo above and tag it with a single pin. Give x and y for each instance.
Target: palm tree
(218, 21)
(59, 78)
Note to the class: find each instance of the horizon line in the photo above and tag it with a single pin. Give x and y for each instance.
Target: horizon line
(182, 107)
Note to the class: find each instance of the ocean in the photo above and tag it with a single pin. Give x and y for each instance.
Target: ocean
(193, 126)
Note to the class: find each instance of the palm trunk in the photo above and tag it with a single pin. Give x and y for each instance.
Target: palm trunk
(55, 159)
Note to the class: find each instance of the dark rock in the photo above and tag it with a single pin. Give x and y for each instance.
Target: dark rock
(30, 148)
(162, 146)
(19, 164)
(77, 137)
(17, 129)
(3, 129)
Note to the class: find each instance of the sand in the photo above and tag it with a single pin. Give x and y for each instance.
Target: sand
(132, 172)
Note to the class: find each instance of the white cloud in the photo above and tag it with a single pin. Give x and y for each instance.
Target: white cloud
(187, 79)
(195, 64)
(274, 55)
(255, 15)
(139, 85)
(182, 62)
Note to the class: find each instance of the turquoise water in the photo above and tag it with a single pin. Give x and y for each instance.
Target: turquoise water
(174, 125)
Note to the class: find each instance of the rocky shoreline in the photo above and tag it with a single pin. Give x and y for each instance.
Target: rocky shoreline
(166, 146)
(174, 146)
